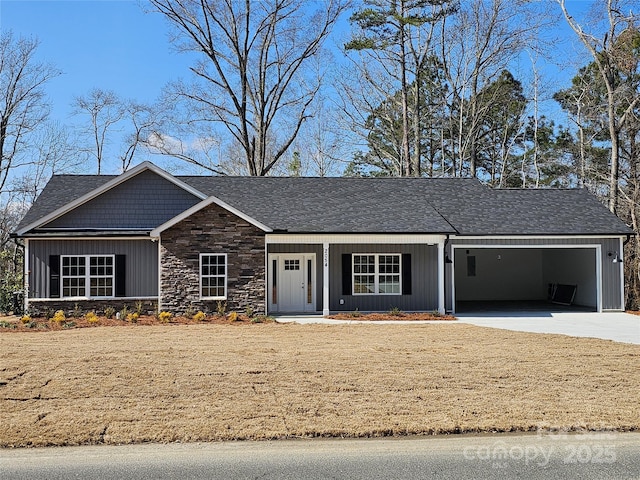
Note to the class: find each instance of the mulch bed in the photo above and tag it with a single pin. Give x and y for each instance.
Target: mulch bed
(419, 316)
(15, 324)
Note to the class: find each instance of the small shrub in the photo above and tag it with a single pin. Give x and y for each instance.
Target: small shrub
(123, 313)
(31, 324)
(5, 324)
(25, 319)
(199, 316)
(109, 312)
(221, 308)
(91, 317)
(132, 317)
(165, 317)
(47, 313)
(262, 319)
(436, 313)
(190, 311)
(395, 311)
(58, 317)
(139, 308)
(249, 311)
(355, 314)
(77, 311)
(233, 317)
(69, 324)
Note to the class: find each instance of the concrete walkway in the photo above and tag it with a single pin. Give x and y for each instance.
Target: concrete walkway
(616, 326)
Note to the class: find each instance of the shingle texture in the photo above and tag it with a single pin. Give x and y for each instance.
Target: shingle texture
(365, 205)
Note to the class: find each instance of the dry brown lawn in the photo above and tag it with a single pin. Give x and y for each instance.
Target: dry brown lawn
(217, 382)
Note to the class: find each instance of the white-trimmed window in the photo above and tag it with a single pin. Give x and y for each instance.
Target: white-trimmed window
(377, 274)
(213, 276)
(88, 276)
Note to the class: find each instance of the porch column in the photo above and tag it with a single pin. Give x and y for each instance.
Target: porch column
(441, 304)
(26, 272)
(325, 278)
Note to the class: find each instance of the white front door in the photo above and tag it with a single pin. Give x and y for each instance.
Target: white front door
(292, 287)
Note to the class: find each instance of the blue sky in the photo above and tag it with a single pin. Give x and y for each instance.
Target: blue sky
(115, 45)
(106, 44)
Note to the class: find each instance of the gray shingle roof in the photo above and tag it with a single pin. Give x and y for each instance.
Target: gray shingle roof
(380, 205)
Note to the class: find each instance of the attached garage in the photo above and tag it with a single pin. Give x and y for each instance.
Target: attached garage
(536, 274)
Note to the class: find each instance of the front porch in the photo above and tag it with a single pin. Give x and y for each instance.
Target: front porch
(319, 274)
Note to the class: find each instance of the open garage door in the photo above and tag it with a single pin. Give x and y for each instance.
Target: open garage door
(495, 278)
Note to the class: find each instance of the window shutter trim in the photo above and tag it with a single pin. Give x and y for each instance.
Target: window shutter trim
(54, 276)
(347, 284)
(120, 276)
(406, 274)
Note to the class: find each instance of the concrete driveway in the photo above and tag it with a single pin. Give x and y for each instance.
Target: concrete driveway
(616, 326)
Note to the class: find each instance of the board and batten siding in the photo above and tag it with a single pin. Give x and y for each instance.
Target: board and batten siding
(424, 279)
(611, 276)
(141, 278)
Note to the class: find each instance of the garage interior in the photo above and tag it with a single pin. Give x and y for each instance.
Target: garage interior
(500, 279)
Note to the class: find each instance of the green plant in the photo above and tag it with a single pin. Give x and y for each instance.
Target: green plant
(395, 311)
(262, 319)
(91, 317)
(199, 316)
(124, 312)
(139, 307)
(5, 324)
(190, 311)
(436, 313)
(248, 311)
(109, 312)
(69, 324)
(59, 317)
(77, 311)
(233, 317)
(355, 314)
(221, 308)
(47, 313)
(31, 324)
(165, 317)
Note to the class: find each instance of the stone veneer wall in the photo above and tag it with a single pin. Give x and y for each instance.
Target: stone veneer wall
(212, 230)
(41, 308)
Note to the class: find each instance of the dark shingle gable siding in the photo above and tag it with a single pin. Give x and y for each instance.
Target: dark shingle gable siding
(143, 202)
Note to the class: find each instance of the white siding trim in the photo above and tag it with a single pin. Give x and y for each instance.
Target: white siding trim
(621, 257)
(441, 294)
(325, 278)
(159, 274)
(293, 238)
(26, 273)
(155, 233)
(533, 237)
(596, 247)
(73, 239)
(91, 299)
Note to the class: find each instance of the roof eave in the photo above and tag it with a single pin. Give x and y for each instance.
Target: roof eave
(142, 167)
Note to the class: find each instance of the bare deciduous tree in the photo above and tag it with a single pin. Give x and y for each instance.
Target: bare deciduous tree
(23, 104)
(252, 77)
(104, 110)
(476, 45)
(609, 54)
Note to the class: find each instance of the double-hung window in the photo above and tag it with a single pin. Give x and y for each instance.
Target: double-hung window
(377, 274)
(213, 276)
(88, 276)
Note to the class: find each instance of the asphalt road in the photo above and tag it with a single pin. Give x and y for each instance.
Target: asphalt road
(598, 455)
